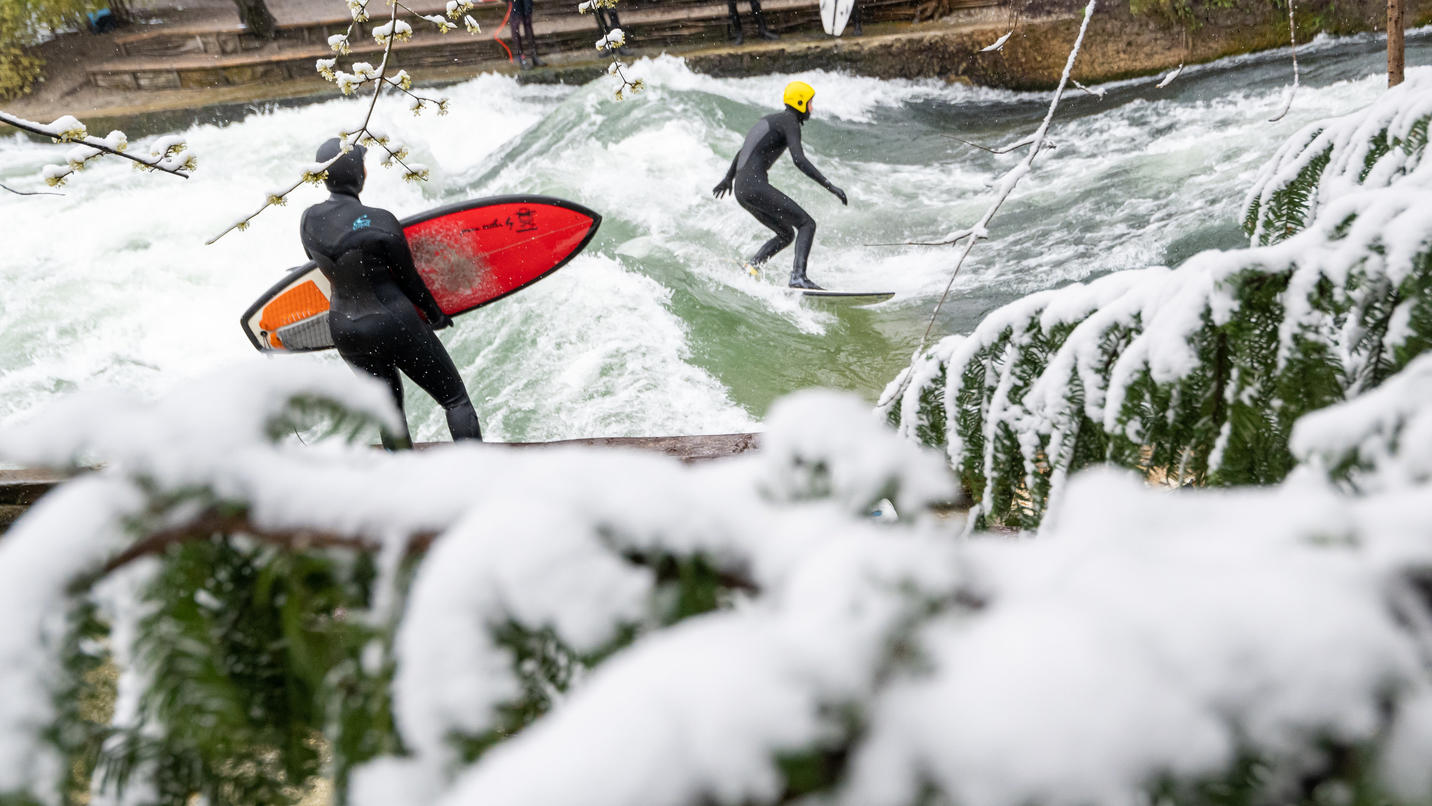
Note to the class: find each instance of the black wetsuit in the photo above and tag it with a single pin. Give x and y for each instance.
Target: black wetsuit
(765, 143)
(377, 330)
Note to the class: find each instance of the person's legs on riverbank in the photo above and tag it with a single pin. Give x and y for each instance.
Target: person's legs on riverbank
(520, 20)
(737, 37)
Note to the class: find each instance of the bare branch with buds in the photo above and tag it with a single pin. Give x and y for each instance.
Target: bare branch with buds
(168, 154)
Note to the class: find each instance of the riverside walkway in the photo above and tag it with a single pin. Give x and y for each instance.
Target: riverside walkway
(181, 57)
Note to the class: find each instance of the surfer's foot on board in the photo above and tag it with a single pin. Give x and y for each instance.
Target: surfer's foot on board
(801, 281)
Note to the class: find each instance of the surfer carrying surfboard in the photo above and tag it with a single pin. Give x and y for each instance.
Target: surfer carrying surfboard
(765, 143)
(377, 294)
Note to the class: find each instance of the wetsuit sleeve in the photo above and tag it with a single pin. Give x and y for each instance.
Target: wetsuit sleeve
(405, 272)
(793, 142)
(731, 172)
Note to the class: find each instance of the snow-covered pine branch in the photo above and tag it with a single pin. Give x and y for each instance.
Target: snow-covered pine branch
(677, 536)
(168, 154)
(1325, 160)
(576, 611)
(1380, 440)
(1198, 374)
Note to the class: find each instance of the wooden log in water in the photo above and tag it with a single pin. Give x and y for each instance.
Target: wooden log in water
(21, 487)
(694, 448)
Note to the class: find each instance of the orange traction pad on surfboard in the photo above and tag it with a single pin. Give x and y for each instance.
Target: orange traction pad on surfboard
(296, 304)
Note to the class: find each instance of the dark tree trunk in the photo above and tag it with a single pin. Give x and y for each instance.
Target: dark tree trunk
(255, 16)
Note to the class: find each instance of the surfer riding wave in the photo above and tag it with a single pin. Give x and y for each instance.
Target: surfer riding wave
(768, 139)
(372, 315)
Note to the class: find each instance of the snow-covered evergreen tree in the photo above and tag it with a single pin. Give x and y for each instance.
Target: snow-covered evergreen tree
(474, 625)
(1197, 375)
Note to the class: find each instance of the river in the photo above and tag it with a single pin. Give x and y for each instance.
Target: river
(656, 329)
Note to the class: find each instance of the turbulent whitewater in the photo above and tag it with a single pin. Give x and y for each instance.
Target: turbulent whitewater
(656, 329)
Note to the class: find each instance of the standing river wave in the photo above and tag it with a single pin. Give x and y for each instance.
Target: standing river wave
(656, 329)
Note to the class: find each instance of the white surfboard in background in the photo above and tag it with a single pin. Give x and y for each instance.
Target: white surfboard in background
(834, 14)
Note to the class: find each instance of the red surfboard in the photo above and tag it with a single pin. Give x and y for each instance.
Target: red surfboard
(468, 254)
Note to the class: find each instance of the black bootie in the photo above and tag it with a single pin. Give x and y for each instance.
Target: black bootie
(761, 28)
(734, 23)
(799, 280)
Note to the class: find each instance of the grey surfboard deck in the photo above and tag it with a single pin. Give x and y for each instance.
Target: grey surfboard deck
(848, 296)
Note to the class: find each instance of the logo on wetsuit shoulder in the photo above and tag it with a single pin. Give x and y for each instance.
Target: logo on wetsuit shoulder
(362, 222)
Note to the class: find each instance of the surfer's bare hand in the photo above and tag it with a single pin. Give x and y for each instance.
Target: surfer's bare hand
(721, 189)
(839, 194)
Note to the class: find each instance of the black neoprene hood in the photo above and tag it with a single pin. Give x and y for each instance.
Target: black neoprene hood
(346, 175)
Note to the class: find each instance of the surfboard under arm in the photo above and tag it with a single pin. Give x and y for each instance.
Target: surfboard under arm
(468, 254)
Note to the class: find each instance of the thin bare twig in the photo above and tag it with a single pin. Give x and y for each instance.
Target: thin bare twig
(29, 192)
(635, 85)
(1293, 37)
(1003, 150)
(1006, 187)
(953, 239)
(378, 83)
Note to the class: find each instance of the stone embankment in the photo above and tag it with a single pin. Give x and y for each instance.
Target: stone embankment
(212, 62)
(1119, 44)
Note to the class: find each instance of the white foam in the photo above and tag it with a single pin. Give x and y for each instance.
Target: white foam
(111, 284)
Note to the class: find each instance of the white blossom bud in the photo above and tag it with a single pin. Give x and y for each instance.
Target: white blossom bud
(55, 175)
(67, 129)
(398, 30)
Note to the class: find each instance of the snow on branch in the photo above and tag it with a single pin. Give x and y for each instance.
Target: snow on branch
(998, 44)
(612, 43)
(607, 558)
(1378, 441)
(611, 40)
(1001, 674)
(1328, 159)
(168, 154)
(1169, 77)
(1197, 375)
(735, 632)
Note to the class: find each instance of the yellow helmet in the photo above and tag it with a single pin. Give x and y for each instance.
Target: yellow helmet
(798, 96)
